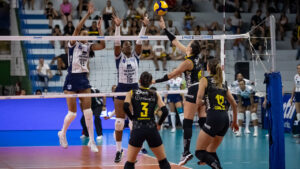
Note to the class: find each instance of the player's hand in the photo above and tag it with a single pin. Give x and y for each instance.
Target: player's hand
(234, 126)
(91, 8)
(99, 23)
(106, 117)
(162, 23)
(199, 102)
(103, 108)
(265, 104)
(158, 126)
(145, 20)
(153, 82)
(291, 101)
(117, 20)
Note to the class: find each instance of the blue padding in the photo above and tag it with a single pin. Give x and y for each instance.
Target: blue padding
(45, 56)
(35, 26)
(38, 46)
(31, 16)
(276, 125)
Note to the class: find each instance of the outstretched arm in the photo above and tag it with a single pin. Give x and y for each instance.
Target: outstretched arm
(101, 45)
(76, 32)
(118, 22)
(138, 46)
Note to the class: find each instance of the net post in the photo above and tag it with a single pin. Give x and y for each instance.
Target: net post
(273, 42)
(222, 57)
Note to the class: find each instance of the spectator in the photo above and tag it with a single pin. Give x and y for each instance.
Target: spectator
(129, 2)
(172, 5)
(107, 13)
(111, 30)
(131, 12)
(159, 54)
(266, 26)
(69, 29)
(66, 11)
(238, 44)
(17, 88)
(93, 30)
(38, 92)
(283, 25)
(235, 22)
(56, 32)
(141, 9)
(147, 52)
(256, 19)
(30, 3)
(187, 5)
(62, 63)
(213, 45)
(175, 53)
(82, 6)
(152, 29)
(50, 13)
(134, 29)
(125, 28)
(295, 37)
(23, 92)
(188, 21)
(44, 73)
(172, 28)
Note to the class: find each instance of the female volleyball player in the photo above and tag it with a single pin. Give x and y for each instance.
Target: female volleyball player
(144, 101)
(296, 92)
(214, 93)
(175, 100)
(127, 62)
(192, 68)
(77, 81)
(245, 100)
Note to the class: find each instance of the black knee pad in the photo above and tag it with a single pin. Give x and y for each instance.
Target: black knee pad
(201, 121)
(205, 157)
(200, 154)
(215, 155)
(164, 164)
(187, 128)
(129, 165)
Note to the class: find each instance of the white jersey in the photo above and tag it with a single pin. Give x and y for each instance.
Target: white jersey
(127, 68)
(235, 85)
(297, 83)
(175, 83)
(245, 93)
(79, 57)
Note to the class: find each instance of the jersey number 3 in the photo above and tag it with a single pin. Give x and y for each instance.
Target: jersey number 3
(144, 112)
(220, 100)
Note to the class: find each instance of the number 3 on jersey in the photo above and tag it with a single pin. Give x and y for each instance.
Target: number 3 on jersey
(220, 100)
(144, 112)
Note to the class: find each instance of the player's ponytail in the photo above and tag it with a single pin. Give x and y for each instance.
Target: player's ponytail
(146, 79)
(216, 71)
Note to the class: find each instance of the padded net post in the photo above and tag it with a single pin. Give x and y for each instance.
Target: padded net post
(273, 42)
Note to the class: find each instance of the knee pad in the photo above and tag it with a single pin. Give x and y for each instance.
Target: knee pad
(129, 165)
(240, 116)
(164, 164)
(254, 116)
(201, 121)
(179, 110)
(187, 123)
(88, 114)
(187, 128)
(204, 156)
(119, 124)
(248, 113)
(200, 154)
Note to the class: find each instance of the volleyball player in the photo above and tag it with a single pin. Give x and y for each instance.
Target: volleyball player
(175, 101)
(77, 81)
(144, 101)
(127, 62)
(253, 110)
(296, 92)
(214, 94)
(245, 97)
(192, 68)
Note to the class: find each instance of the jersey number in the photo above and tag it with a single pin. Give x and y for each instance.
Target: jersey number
(220, 100)
(144, 112)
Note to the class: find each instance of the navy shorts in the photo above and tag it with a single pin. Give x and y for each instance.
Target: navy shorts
(192, 93)
(76, 82)
(235, 98)
(217, 123)
(297, 96)
(174, 98)
(122, 87)
(139, 135)
(255, 99)
(246, 102)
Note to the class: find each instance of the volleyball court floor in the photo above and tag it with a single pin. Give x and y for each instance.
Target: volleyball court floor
(40, 150)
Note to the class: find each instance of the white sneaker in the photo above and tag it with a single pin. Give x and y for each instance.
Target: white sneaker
(247, 131)
(173, 130)
(238, 134)
(255, 134)
(99, 138)
(62, 139)
(93, 146)
(83, 136)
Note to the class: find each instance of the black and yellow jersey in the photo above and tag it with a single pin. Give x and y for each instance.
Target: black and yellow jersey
(215, 97)
(193, 76)
(144, 102)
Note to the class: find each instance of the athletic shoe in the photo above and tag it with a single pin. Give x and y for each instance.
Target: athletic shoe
(93, 146)
(185, 158)
(238, 134)
(83, 136)
(144, 151)
(173, 130)
(118, 156)
(247, 131)
(62, 139)
(255, 134)
(99, 138)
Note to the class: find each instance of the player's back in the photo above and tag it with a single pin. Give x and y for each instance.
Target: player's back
(215, 96)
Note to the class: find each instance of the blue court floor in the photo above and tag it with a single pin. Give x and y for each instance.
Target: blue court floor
(246, 152)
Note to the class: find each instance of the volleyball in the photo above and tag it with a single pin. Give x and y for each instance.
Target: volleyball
(160, 7)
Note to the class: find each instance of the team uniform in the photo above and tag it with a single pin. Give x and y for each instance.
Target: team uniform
(174, 84)
(192, 78)
(245, 95)
(297, 87)
(78, 59)
(235, 86)
(127, 72)
(217, 120)
(144, 102)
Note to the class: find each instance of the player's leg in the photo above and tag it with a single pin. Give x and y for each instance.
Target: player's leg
(179, 109)
(131, 156)
(240, 118)
(97, 113)
(119, 126)
(137, 137)
(297, 105)
(254, 118)
(212, 147)
(173, 115)
(202, 115)
(248, 119)
(71, 102)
